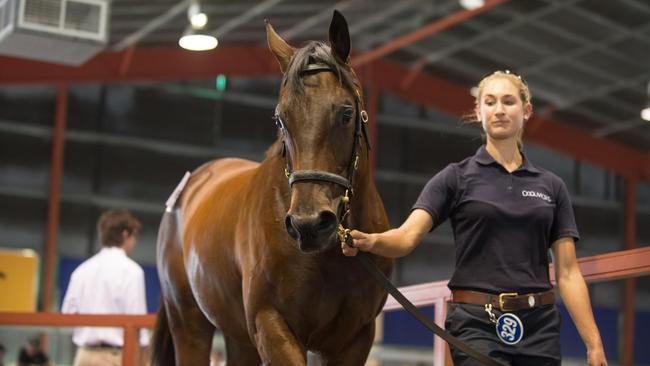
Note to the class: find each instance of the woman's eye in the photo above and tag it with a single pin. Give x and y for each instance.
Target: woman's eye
(346, 116)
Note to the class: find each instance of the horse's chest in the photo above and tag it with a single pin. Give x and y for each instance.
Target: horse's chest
(317, 304)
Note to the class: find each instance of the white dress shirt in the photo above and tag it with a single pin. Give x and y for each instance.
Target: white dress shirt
(107, 283)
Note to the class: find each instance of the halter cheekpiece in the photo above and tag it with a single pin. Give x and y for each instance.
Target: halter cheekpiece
(321, 175)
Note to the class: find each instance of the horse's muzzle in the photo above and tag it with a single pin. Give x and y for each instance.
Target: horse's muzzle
(313, 232)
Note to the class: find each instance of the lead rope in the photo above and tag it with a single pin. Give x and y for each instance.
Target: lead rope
(371, 267)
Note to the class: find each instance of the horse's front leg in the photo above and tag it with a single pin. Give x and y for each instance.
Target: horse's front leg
(275, 342)
(354, 352)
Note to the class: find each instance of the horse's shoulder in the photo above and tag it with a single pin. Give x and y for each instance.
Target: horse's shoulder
(228, 167)
(213, 174)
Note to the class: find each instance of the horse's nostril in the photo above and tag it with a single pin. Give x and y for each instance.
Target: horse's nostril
(327, 222)
(288, 224)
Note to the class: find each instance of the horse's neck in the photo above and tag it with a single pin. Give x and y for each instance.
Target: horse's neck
(272, 177)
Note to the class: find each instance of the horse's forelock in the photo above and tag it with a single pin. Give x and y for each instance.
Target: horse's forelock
(316, 52)
(313, 53)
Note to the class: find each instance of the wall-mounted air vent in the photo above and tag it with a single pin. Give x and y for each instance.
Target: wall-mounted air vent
(74, 18)
(6, 24)
(64, 31)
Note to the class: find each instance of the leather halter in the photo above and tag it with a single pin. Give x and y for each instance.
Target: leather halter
(321, 175)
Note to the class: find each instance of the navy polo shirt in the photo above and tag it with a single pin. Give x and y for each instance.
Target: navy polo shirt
(503, 223)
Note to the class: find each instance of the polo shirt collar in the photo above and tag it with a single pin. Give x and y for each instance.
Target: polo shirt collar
(527, 165)
(484, 158)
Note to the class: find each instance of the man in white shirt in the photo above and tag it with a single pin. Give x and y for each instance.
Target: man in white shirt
(107, 283)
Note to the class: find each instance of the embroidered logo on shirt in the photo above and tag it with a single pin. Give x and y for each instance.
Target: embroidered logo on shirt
(543, 196)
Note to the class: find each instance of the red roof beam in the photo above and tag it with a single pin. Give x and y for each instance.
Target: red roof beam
(144, 64)
(425, 31)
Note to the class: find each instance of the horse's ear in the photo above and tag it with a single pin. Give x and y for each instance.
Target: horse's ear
(340, 37)
(279, 47)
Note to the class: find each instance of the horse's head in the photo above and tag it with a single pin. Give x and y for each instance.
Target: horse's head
(321, 121)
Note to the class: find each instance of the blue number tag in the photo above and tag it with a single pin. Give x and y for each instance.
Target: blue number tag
(510, 329)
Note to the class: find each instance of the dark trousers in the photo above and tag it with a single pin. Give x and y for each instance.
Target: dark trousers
(539, 346)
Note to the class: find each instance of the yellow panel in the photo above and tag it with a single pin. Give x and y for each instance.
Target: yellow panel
(18, 278)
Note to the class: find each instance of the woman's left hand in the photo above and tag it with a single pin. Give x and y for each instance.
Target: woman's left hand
(596, 357)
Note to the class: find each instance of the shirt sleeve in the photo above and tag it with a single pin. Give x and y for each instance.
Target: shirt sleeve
(564, 222)
(135, 297)
(136, 300)
(437, 196)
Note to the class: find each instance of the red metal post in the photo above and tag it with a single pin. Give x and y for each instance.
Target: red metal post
(439, 345)
(54, 201)
(629, 285)
(131, 345)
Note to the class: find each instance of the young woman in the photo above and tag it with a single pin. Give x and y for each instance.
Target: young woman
(506, 213)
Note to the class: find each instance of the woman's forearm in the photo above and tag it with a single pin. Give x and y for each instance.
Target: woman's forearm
(394, 243)
(576, 298)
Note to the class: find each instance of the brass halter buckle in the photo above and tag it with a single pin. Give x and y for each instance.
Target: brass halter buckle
(344, 235)
(502, 300)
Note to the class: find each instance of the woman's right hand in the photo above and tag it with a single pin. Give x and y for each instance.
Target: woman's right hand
(360, 242)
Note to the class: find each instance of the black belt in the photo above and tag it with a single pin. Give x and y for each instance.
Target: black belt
(103, 345)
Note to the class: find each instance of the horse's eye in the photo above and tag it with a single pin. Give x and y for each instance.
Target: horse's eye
(346, 116)
(278, 121)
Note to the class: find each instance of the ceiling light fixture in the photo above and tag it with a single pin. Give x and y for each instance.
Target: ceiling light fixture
(194, 38)
(645, 112)
(471, 4)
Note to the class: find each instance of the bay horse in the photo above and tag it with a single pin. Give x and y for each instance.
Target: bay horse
(254, 248)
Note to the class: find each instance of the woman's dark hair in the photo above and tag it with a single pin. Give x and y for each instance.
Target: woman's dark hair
(113, 223)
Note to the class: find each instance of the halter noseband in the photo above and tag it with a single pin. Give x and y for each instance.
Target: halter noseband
(324, 176)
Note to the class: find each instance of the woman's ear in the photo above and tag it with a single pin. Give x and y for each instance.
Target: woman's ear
(528, 111)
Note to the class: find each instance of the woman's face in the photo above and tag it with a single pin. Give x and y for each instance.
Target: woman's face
(501, 109)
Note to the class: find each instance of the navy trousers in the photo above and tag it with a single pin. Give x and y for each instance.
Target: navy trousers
(539, 346)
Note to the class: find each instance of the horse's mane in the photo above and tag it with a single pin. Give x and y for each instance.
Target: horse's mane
(314, 52)
(275, 149)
